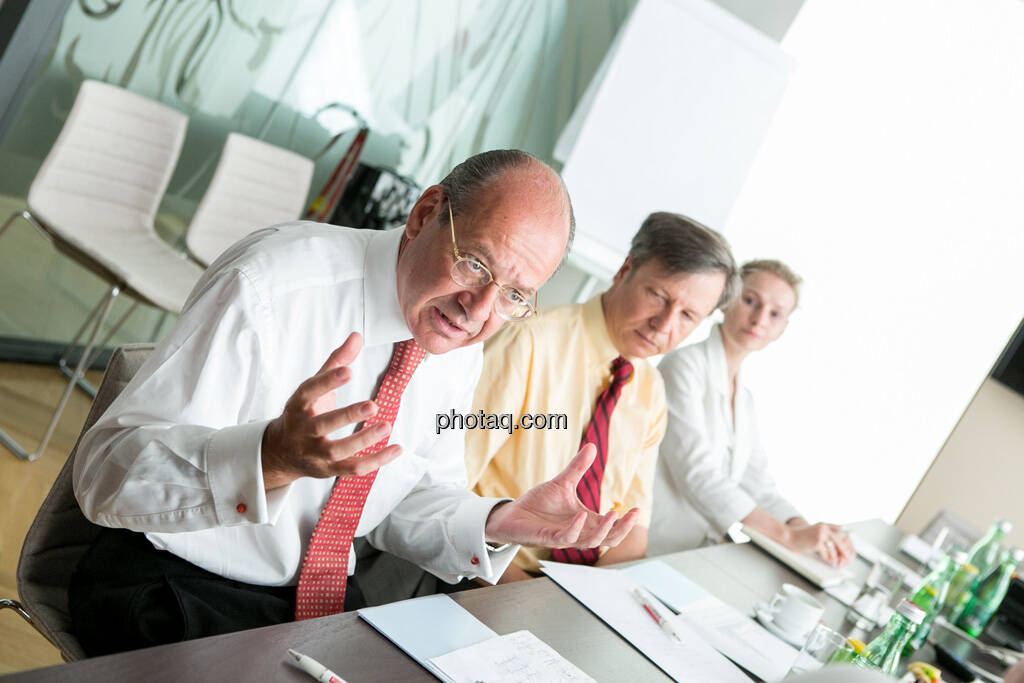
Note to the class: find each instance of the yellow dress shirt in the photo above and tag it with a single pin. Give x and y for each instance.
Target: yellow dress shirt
(559, 362)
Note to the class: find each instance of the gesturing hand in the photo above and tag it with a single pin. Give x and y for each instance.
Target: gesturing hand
(296, 444)
(551, 515)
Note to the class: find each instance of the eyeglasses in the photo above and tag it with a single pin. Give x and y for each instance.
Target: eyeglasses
(511, 304)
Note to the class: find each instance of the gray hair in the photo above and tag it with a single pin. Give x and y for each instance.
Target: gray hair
(779, 270)
(682, 245)
(480, 170)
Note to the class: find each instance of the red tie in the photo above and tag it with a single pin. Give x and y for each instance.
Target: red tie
(324, 574)
(589, 488)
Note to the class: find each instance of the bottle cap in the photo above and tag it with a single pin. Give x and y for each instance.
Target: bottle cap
(858, 645)
(1004, 526)
(911, 611)
(1017, 554)
(959, 557)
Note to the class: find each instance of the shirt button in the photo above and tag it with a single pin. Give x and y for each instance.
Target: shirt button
(241, 508)
(475, 560)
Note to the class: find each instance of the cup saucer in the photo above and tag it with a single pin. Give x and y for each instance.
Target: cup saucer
(768, 621)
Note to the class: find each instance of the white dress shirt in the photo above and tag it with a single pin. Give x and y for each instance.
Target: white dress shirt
(177, 454)
(712, 470)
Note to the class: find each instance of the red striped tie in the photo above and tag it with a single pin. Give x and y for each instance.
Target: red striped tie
(589, 488)
(324, 574)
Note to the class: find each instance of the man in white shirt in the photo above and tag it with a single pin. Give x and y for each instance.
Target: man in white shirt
(225, 447)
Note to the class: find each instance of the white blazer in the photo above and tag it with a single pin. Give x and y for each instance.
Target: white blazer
(712, 472)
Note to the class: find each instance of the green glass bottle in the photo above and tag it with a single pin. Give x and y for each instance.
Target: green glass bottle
(985, 553)
(959, 588)
(989, 594)
(931, 597)
(883, 653)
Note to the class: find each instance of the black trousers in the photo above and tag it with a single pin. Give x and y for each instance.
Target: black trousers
(125, 594)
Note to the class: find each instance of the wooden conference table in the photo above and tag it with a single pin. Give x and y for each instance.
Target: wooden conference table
(738, 574)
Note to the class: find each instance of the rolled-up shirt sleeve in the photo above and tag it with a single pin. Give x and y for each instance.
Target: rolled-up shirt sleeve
(697, 467)
(175, 450)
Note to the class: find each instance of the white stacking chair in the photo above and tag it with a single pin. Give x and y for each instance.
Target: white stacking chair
(255, 185)
(95, 198)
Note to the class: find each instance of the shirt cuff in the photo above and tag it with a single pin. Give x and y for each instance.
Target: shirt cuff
(234, 470)
(466, 531)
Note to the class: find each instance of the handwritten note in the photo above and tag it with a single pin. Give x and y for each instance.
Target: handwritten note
(518, 657)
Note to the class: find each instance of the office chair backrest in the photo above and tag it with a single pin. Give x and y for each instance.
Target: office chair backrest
(255, 185)
(110, 165)
(60, 533)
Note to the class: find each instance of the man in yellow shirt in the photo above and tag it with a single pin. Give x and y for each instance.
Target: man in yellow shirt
(587, 362)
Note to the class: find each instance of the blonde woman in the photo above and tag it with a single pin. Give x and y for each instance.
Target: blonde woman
(712, 471)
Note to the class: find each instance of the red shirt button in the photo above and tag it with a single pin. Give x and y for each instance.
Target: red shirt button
(475, 560)
(241, 508)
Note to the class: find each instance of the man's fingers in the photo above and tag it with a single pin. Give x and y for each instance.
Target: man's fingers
(345, 448)
(566, 537)
(580, 463)
(358, 467)
(334, 420)
(599, 525)
(621, 528)
(318, 385)
(344, 354)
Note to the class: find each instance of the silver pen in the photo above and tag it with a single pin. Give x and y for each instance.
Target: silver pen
(314, 668)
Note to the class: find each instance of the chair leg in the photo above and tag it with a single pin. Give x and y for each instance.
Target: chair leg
(99, 319)
(65, 367)
(16, 606)
(8, 603)
(27, 216)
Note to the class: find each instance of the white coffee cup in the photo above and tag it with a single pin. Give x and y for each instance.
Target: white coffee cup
(795, 610)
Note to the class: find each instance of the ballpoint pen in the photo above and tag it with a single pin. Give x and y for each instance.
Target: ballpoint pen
(315, 668)
(655, 612)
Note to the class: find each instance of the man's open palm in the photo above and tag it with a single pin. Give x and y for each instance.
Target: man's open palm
(551, 515)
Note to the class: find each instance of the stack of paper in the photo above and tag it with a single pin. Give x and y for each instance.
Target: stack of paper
(609, 595)
(728, 630)
(416, 627)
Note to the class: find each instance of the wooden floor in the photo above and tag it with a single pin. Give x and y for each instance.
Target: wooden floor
(28, 395)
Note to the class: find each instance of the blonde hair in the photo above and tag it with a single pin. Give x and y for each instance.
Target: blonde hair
(776, 268)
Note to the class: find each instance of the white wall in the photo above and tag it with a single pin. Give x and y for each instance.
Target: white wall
(892, 180)
(979, 472)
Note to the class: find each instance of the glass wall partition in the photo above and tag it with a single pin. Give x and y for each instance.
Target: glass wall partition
(435, 81)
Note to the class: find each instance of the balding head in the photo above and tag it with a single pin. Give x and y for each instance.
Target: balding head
(511, 214)
(477, 173)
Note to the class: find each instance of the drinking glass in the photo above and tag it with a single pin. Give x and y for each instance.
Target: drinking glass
(823, 646)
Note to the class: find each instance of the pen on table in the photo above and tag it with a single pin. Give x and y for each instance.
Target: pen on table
(315, 668)
(655, 613)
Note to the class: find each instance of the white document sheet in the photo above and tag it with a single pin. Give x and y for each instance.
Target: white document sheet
(519, 657)
(728, 630)
(608, 593)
